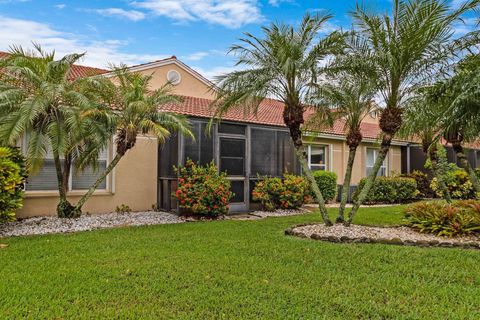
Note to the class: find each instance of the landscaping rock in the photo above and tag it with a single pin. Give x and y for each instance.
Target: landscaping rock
(384, 235)
(44, 225)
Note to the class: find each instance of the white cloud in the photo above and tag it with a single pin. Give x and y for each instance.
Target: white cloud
(196, 56)
(228, 13)
(462, 28)
(60, 6)
(133, 15)
(276, 3)
(216, 71)
(99, 53)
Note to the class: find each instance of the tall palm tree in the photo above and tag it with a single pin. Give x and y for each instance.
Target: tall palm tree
(406, 49)
(129, 107)
(351, 96)
(38, 99)
(283, 64)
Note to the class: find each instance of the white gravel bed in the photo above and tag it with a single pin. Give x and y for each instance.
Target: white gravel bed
(278, 213)
(44, 225)
(387, 235)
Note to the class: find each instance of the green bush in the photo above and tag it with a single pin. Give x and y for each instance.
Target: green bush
(275, 193)
(327, 183)
(12, 179)
(389, 190)
(202, 189)
(457, 181)
(443, 219)
(423, 183)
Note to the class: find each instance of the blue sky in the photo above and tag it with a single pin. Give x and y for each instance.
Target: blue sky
(198, 32)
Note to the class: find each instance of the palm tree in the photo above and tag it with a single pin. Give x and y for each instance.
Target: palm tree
(421, 122)
(406, 49)
(458, 100)
(39, 100)
(283, 65)
(129, 108)
(351, 98)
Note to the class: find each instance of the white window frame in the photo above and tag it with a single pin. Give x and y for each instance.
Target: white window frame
(108, 158)
(325, 166)
(375, 156)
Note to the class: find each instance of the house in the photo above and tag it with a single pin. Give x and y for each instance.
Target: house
(244, 145)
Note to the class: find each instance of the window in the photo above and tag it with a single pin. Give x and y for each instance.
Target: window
(82, 180)
(317, 158)
(372, 155)
(477, 152)
(46, 178)
(231, 128)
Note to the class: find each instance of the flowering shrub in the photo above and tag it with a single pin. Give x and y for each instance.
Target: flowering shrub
(275, 193)
(443, 219)
(457, 181)
(202, 189)
(12, 178)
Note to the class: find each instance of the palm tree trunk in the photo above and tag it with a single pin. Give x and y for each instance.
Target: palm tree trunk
(438, 173)
(100, 179)
(382, 154)
(457, 147)
(346, 184)
(311, 179)
(64, 207)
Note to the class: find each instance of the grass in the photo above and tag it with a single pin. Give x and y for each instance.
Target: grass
(234, 269)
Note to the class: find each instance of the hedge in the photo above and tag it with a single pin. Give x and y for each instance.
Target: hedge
(389, 190)
(327, 183)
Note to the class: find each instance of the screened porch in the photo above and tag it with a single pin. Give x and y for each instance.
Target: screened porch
(245, 151)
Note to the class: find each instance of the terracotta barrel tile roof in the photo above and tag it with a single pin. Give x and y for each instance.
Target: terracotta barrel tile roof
(270, 112)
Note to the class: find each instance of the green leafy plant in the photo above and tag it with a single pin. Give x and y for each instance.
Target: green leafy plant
(457, 182)
(327, 183)
(202, 189)
(123, 208)
(12, 179)
(423, 183)
(444, 219)
(291, 192)
(389, 190)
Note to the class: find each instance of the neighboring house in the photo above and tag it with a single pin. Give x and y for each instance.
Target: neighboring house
(244, 145)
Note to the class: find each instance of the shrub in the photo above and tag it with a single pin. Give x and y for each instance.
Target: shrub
(122, 209)
(423, 183)
(12, 178)
(443, 219)
(202, 189)
(457, 181)
(389, 190)
(275, 193)
(327, 183)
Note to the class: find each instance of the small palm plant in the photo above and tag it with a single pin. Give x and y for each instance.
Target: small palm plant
(351, 97)
(283, 64)
(128, 107)
(38, 99)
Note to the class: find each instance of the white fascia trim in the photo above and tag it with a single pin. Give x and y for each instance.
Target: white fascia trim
(176, 62)
(338, 137)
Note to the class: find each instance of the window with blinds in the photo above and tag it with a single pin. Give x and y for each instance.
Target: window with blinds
(82, 180)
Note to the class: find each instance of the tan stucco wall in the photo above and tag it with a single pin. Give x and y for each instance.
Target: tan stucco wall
(337, 157)
(188, 86)
(133, 183)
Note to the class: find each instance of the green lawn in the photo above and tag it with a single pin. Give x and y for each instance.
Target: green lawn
(234, 269)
